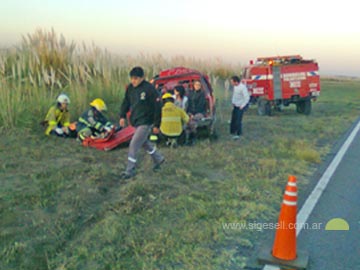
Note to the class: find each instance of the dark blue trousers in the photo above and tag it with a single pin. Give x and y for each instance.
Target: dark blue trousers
(236, 120)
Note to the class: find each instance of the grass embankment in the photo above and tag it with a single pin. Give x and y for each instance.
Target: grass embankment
(63, 206)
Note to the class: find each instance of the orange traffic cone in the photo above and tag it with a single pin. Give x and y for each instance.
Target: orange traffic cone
(284, 247)
(284, 251)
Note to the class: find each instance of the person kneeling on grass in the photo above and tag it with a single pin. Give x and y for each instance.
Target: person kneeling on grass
(93, 122)
(173, 120)
(57, 120)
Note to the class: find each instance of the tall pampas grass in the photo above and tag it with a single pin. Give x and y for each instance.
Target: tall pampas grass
(45, 64)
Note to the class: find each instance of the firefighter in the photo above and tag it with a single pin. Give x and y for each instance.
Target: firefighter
(240, 101)
(144, 102)
(57, 120)
(93, 122)
(173, 120)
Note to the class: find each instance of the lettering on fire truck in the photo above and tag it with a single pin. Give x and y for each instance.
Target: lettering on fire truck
(296, 76)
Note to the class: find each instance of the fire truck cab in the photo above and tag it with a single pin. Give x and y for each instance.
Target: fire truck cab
(278, 81)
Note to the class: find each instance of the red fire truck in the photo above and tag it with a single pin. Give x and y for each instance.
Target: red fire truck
(278, 81)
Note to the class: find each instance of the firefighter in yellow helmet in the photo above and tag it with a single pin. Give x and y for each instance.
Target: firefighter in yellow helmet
(93, 122)
(173, 120)
(57, 120)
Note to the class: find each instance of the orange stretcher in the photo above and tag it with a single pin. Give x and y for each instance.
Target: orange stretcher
(112, 140)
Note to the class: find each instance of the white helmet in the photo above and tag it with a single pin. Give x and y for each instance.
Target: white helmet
(62, 98)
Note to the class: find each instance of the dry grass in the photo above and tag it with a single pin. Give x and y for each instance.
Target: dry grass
(45, 64)
(66, 208)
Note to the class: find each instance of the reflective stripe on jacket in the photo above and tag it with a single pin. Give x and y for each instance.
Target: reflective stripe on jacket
(172, 120)
(56, 117)
(92, 119)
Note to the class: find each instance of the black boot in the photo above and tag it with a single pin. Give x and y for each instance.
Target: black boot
(189, 139)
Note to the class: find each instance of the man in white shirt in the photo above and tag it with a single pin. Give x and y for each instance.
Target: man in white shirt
(240, 101)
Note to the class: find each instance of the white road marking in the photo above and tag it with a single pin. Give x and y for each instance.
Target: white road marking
(315, 195)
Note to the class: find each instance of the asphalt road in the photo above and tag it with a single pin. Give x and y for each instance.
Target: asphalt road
(336, 249)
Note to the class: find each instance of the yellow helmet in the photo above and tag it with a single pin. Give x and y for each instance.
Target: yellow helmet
(167, 95)
(99, 104)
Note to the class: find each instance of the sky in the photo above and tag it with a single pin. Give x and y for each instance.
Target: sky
(235, 31)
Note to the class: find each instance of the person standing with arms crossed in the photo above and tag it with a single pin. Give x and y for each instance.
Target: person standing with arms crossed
(143, 101)
(240, 101)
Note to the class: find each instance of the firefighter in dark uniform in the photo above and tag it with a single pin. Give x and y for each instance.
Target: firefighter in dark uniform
(93, 122)
(143, 101)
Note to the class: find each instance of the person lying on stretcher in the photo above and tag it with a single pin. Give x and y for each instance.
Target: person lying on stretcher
(93, 122)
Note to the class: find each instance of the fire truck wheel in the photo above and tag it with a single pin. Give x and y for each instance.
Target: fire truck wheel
(264, 107)
(304, 107)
